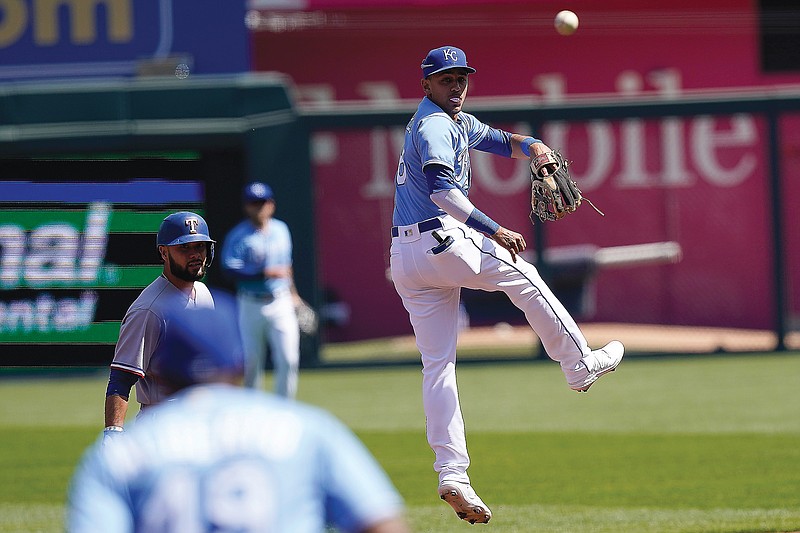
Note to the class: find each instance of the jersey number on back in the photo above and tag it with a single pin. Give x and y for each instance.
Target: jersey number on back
(233, 496)
(400, 176)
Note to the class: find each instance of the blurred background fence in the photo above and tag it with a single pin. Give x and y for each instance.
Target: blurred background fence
(696, 234)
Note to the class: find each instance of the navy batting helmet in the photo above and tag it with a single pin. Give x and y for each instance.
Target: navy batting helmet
(184, 227)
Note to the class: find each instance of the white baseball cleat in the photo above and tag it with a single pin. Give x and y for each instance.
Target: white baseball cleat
(599, 362)
(467, 505)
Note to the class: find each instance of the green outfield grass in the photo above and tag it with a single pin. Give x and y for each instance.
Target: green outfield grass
(683, 444)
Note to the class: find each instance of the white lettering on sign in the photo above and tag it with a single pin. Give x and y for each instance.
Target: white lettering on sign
(669, 152)
(324, 144)
(385, 143)
(47, 314)
(708, 139)
(673, 136)
(54, 253)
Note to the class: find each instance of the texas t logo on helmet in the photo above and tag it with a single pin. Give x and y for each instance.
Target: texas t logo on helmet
(184, 227)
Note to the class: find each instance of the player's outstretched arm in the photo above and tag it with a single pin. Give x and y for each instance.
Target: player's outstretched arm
(119, 388)
(520, 144)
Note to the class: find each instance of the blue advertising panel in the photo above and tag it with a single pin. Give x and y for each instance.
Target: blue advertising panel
(69, 38)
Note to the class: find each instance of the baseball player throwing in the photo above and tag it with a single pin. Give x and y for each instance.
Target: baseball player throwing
(187, 250)
(441, 242)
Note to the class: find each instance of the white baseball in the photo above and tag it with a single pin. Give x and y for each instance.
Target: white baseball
(566, 22)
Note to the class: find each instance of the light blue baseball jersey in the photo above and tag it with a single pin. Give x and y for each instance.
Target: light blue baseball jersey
(433, 137)
(248, 250)
(223, 458)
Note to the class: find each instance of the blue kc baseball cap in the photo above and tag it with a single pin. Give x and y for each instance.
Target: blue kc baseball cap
(257, 192)
(444, 58)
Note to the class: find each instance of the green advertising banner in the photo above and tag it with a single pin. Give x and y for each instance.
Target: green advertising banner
(72, 255)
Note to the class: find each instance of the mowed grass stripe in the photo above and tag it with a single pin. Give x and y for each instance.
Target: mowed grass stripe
(438, 518)
(571, 519)
(31, 518)
(703, 394)
(742, 471)
(36, 464)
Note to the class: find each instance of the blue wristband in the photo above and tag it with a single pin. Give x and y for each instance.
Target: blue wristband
(120, 383)
(526, 145)
(479, 221)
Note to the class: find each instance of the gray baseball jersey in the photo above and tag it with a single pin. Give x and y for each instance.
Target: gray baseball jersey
(143, 327)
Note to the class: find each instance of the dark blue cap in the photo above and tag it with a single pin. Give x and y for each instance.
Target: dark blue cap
(444, 58)
(257, 192)
(199, 345)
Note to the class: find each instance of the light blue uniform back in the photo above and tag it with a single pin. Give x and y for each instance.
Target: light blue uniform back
(247, 251)
(433, 137)
(222, 458)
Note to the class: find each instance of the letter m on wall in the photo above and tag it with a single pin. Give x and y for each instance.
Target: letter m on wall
(83, 20)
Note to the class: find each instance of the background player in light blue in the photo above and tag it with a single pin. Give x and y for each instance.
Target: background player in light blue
(441, 242)
(257, 254)
(218, 457)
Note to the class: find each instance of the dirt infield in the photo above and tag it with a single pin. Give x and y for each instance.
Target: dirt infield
(519, 342)
(640, 338)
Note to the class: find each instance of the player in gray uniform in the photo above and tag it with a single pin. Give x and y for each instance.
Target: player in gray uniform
(187, 250)
(441, 242)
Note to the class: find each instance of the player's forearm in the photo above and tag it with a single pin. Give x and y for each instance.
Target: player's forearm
(524, 146)
(115, 411)
(454, 203)
(278, 272)
(118, 391)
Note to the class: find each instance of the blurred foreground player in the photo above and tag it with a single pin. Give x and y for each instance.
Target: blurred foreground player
(186, 249)
(219, 457)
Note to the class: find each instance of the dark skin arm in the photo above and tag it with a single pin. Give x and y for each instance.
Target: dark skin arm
(115, 410)
(508, 239)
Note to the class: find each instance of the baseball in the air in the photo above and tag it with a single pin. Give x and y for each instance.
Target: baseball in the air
(566, 22)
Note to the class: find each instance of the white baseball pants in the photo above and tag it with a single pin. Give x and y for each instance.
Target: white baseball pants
(273, 323)
(430, 285)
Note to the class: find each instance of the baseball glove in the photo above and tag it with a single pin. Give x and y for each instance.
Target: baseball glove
(307, 318)
(553, 191)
